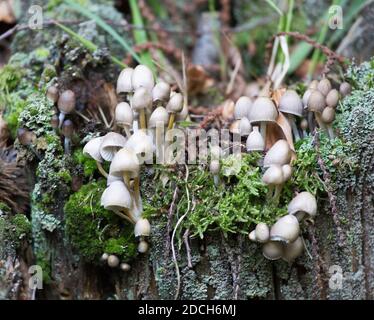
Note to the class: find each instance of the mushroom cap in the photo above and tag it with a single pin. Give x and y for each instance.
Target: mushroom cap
(161, 92)
(124, 81)
(66, 102)
(110, 144)
(286, 229)
(92, 148)
(332, 98)
(272, 250)
(143, 246)
(142, 77)
(306, 96)
(245, 126)
(125, 267)
(113, 261)
(328, 115)
(52, 94)
(110, 179)
(280, 153)
(158, 118)
(287, 172)
(242, 107)
(116, 196)
(262, 233)
(273, 175)
(214, 167)
(303, 202)
(255, 142)
(293, 250)
(125, 162)
(263, 110)
(55, 121)
(104, 257)
(25, 137)
(324, 86)
(142, 145)
(67, 128)
(142, 228)
(313, 85)
(316, 101)
(345, 89)
(290, 102)
(175, 103)
(141, 99)
(124, 114)
(252, 235)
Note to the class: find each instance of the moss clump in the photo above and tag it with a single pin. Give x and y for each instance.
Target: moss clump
(94, 230)
(87, 163)
(15, 229)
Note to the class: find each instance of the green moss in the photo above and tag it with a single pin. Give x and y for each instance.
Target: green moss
(88, 164)
(22, 226)
(93, 230)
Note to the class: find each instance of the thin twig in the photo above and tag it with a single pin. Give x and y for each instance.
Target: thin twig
(186, 238)
(170, 217)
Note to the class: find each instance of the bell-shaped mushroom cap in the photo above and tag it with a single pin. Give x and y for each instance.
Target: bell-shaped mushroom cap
(262, 233)
(287, 172)
(142, 77)
(345, 89)
(161, 92)
(25, 137)
(324, 86)
(328, 115)
(116, 196)
(293, 250)
(113, 261)
(159, 117)
(272, 250)
(245, 126)
(66, 102)
(291, 103)
(92, 148)
(303, 202)
(252, 235)
(175, 103)
(255, 142)
(142, 228)
(110, 144)
(273, 175)
(124, 114)
(52, 94)
(214, 167)
(280, 153)
(316, 101)
(141, 99)
(125, 162)
(263, 110)
(286, 229)
(242, 107)
(124, 82)
(141, 144)
(110, 179)
(306, 96)
(332, 98)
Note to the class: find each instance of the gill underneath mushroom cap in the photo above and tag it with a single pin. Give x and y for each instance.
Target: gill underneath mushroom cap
(291, 103)
(142, 228)
(245, 127)
(324, 86)
(262, 232)
(125, 162)
(124, 114)
(161, 92)
(116, 197)
(92, 148)
(286, 229)
(110, 144)
(272, 250)
(263, 110)
(124, 82)
(159, 117)
(332, 98)
(242, 107)
(280, 154)
(303, 203)
(255, 142)
(142, 77)
(316, 101)
(293, 250)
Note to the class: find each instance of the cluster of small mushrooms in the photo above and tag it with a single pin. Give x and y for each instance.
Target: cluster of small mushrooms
(283, 240)
(145, 107)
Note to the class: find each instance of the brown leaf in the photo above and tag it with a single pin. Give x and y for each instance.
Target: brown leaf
(228, 107)
(197, 79)
(6, 12)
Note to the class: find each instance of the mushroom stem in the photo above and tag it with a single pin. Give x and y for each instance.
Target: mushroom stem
(171, 121)
(304, 133)
(216, 180)
(126, 179)
(295, 131)
(67, 145)
(310, 121)
(35, 152)
(142, 119)
(319, 121)
(123, 216)
(270, 192)
(101, 169)
(263, 131)
(127, 130)
(159, 145)
(330, 131)
(277, 193)
(61, 119)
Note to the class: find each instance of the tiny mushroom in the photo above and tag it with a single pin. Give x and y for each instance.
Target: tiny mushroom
(280, 153)
(52, 94)
(27, 138)
(255, 142)
(161, 93)
(143, 246)
(142, 228)
(174, 106)
(328, 116)
(245, 127)
(324, 86)
(142, 77)
(272, 250)
(158, 121)
(125, 267)
(262, 233)
(92, 148)
(124, 117)
(273, 178)
(242, 107)
(332, 98)
(214, 168)
(316, 104)
(286, 229)
(124, 82)
(113, 261)
(293, 250)
(65, 104)
(291, 104)
(345, 89)
(141, 100)
(304, 203)
(110, 144)
(141, 143)
(67, 131)
(104, 257)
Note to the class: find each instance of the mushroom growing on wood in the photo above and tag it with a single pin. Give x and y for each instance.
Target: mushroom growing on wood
(142, 229)
(52, 94)
(262, 233)
(303, 203)
(65, 104)
(174, 106)
(158, 121)
(142, 144)
(113, 261)
(286, 229)
(92, 148)
(316, 104)
(124, 82)
(272, 250)
(67, 131)
(345, 89)
(242, 107)
(110, 144)
(161, 93)
(142, 77)
(332, 98)
(245, 127)
(328, 116)
(124, 117)
(293, 250)
(255, 142)
(141, 100)
(291, 104)
(280, 154)
(273, 178)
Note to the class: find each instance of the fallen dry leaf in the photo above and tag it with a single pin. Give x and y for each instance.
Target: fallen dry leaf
(6, 12)
(228, 107)
(197, 79)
